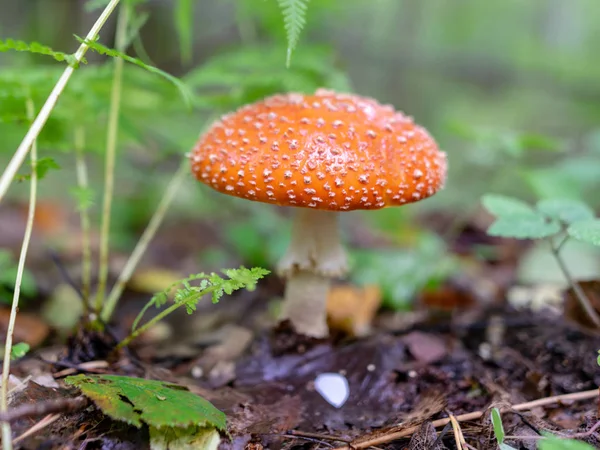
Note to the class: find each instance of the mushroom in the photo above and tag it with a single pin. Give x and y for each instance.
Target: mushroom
(323, 154)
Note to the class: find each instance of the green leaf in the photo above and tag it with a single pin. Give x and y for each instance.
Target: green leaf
(586, 231)
(193, 438)
(155, 403)
(531, 141)
(184, 20)
(19, 350)
(554, 443)
(103, 50)
(498, 427)
(565, 210)
(294, 18)
(42, 166)
(523, 227)
(36, 48)
(502, 206)
(189, 296)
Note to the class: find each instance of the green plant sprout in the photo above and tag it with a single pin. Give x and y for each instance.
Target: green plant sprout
(546, 442)
(499, 430)
(554, 220)
(39, 122)
(189, 295)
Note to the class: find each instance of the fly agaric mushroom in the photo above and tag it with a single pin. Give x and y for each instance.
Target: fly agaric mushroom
(324, 153)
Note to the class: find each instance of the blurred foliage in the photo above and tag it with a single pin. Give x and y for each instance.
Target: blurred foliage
(509, 89)
(8, 273)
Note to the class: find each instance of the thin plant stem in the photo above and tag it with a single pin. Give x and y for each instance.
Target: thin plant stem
(38, 124)
(584, 301)
(144, 241)
(86, 252)
(6, 429)
(164, 313)
(111, 150)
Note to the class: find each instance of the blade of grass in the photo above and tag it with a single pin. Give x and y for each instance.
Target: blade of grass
(38, 124)
(84, 217)
(6, 429)
(145, 239)
(111, 150)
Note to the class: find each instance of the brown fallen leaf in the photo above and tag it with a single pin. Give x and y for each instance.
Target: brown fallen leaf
(29, 328)
(424, 347)
(351, 309)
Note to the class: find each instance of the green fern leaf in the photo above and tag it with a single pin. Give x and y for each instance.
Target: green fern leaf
(294, 18)
(37, 48)
(103, 50)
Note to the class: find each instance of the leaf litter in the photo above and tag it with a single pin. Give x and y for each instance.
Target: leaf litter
(402, 375)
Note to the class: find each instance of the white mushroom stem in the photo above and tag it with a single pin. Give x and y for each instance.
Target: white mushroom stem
(314, 256)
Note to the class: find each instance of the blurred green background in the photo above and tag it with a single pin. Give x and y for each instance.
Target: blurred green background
(509, 88)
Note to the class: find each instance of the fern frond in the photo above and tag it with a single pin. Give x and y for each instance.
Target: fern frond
(294, 18)
(36, 48)
(103, 50)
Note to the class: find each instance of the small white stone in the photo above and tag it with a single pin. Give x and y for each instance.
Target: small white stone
(333, 387)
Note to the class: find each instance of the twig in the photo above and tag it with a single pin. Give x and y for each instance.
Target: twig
(144, 241)
(584, 301)
(84, 217)
(383, 439)
(58, 405)
(309, 439)
(49, 419)
(65, 273)
(459, 439)
(587, 433)
(324, 437)
(111, 150)
(6, 430)
(42, 117)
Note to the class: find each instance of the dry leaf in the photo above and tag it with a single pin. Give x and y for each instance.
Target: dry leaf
(351, 309)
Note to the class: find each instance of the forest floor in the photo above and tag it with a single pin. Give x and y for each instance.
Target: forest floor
(412, 374)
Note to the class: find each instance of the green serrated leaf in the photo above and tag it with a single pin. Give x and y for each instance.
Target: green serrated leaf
(565, 210)
(524, 227)
(554, 443)
(294, 18)
(185, 92)
(502, 206)
(586, 231)
(36, 48)
(42, 166)
(138, 401)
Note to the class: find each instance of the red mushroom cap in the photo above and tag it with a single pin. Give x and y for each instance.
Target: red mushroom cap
(326, 151)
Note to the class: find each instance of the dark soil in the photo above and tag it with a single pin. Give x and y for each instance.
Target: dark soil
(413, 376)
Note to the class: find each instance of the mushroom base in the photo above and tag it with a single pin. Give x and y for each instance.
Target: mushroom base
(315, 256)
(305, 303)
